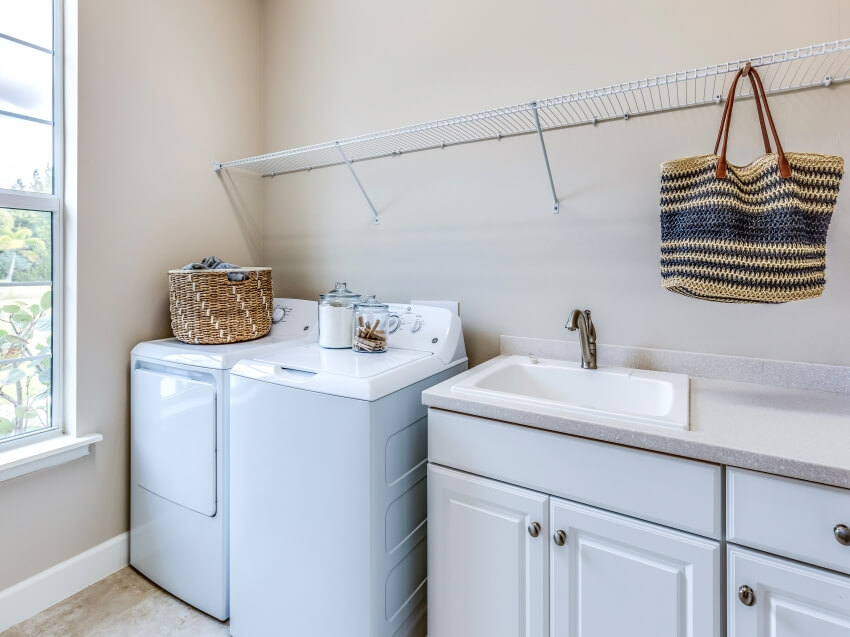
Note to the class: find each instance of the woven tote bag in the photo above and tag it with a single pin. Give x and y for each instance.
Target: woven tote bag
(747, 234)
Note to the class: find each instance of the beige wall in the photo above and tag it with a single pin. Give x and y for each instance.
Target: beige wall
(473, 223)
(164, 88)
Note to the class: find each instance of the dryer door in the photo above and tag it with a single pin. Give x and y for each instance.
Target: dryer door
(173, 425)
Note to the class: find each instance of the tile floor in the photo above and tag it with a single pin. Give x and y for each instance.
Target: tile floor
(125, 604)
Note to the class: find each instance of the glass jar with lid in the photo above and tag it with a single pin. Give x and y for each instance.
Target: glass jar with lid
(370, 326)
(336, 315)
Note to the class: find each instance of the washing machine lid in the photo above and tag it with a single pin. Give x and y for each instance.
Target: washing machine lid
(297, 325)
(342, 372)
(424, 340)
(342, 362)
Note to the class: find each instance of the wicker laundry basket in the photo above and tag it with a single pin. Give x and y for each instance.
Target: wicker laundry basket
(207, 308)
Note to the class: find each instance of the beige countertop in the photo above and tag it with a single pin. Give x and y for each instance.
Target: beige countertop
(779, 429)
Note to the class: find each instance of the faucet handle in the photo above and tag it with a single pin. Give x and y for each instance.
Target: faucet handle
(591, 329)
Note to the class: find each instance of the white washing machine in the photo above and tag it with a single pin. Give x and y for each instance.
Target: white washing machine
(328, 457)
(179, 487)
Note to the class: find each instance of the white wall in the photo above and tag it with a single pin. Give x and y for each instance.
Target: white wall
(164, 88)
(473, 223)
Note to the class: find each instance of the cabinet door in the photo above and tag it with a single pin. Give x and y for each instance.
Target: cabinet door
(487, 557)
(613, 575)
(787, 599)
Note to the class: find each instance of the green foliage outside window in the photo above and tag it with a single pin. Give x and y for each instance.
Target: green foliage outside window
(25, 330)
(26, 321)
(25, 248)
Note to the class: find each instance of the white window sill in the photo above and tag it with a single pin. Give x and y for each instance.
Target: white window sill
(41, 455)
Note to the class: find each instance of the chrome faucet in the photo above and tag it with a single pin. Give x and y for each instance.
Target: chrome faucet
(587, 336)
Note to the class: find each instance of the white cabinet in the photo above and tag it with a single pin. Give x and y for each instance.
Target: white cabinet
(630, 541)
(798, 520)
(487, 560)
(774, 597)
(613, 575)
(499, 567)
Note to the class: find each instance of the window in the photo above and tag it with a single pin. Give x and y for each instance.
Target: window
(30, 215)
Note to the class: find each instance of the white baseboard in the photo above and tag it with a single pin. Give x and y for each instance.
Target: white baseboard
(41, 591)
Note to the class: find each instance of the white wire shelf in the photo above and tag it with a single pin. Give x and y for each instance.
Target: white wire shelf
(811, 66)
(807, 67)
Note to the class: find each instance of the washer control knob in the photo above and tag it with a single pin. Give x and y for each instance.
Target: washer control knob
(393, 324)
(417, 325)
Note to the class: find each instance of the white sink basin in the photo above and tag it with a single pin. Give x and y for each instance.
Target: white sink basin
(628, 395)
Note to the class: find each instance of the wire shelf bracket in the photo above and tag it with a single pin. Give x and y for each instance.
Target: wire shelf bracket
(818, 65)
(555, 206)
(354, 174)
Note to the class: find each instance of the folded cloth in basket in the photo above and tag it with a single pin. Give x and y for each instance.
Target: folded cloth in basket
(214, 263)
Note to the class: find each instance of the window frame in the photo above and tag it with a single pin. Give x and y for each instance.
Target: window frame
(54, 204)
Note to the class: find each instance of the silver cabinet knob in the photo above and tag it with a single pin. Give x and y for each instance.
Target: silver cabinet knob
(747, 595)
(560, 537)
(534, 529)
(842, 534)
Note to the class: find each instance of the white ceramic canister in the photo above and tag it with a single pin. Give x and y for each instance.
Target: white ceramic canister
(336, 316)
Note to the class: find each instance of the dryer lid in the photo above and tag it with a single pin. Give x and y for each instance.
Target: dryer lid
(298, 324)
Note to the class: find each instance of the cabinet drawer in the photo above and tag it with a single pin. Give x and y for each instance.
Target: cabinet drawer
(788, 517)
(683, 494)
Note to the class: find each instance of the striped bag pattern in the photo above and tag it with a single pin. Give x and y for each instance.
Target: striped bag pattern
(750, 234)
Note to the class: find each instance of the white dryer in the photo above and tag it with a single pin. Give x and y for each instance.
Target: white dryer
(179, 487)
(328, 457)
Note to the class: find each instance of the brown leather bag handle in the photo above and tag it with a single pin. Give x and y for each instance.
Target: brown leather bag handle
(758, 88)
(764, 136)
(784, 166)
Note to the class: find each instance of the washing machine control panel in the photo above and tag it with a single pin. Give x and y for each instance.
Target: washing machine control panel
(404, 318)
(418, 327)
